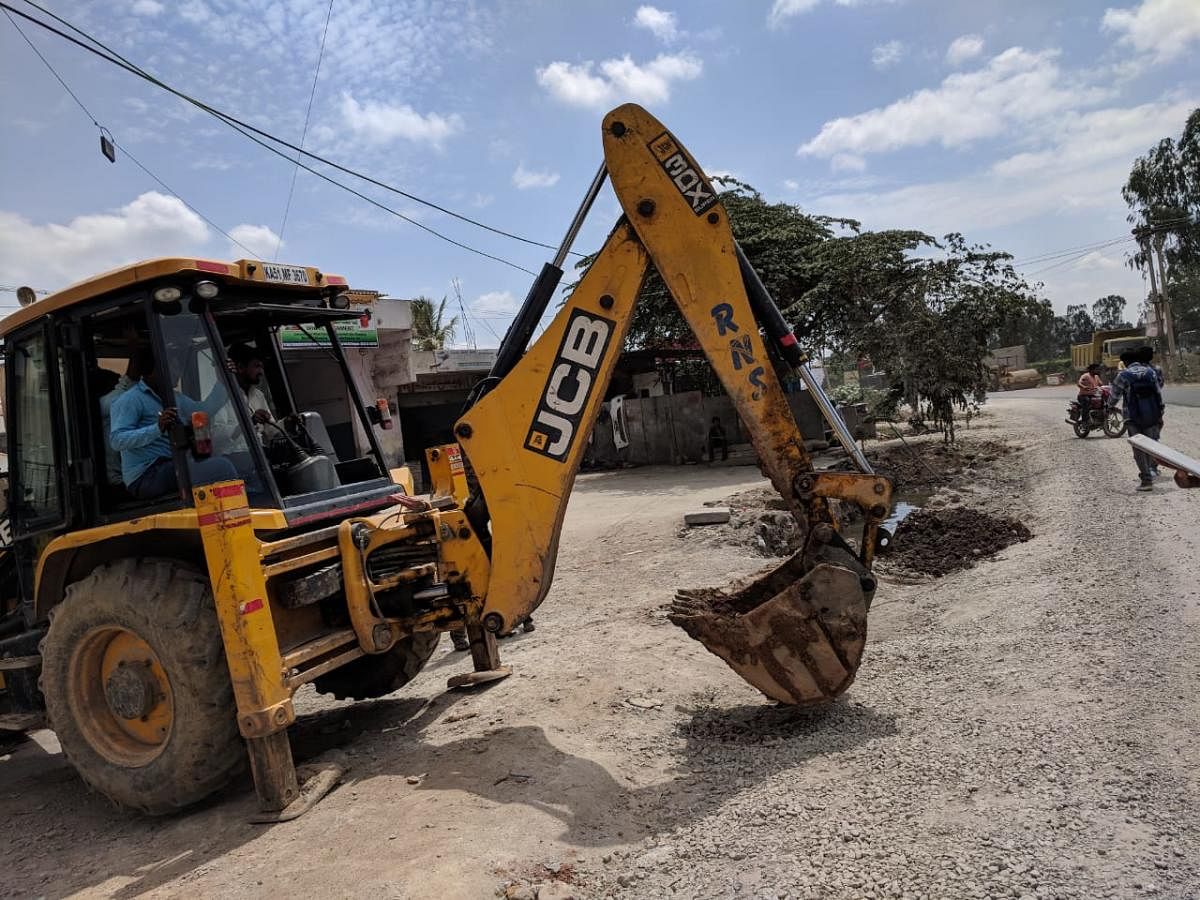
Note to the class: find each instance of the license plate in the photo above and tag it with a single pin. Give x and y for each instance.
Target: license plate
(285, 274)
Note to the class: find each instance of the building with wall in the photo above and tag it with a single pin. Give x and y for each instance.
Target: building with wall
(378, 347)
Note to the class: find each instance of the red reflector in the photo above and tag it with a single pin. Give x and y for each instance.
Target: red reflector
(205, 266)
(251, 606)
(334, 279)
(788, 339)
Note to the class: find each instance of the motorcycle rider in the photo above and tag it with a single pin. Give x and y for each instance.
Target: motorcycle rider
(1089, 390)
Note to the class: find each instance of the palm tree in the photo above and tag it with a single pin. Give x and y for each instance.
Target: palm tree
(428, 330)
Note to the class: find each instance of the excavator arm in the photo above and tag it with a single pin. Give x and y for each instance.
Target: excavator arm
(797, 633)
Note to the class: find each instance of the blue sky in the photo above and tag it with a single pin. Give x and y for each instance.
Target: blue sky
(1013, 122)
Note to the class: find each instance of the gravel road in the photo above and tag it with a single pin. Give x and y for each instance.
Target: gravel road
(1024, 728)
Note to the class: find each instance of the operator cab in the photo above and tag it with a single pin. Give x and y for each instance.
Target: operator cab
(205, 339)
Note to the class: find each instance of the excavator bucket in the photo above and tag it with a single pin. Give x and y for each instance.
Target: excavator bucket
(796, 635)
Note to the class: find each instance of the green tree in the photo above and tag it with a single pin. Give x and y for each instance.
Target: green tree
(1163, 195)
(429, 332)
(921, 310)
(1109, 312)
(1080, 325)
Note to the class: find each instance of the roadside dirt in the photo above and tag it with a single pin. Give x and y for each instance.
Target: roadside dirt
(920, 464)
(1025, 727)
(938, 542)
(934, 541)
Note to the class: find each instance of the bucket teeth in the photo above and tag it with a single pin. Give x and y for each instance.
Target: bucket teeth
(798, 640)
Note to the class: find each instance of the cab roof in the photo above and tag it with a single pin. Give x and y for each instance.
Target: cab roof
(250, 272)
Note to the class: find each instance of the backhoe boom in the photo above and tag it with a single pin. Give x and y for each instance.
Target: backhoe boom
(796, 634)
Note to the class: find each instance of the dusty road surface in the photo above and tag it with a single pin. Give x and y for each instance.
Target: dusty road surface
(1024, 728)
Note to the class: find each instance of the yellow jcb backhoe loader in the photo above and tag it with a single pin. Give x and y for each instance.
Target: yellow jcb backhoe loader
(164, 635)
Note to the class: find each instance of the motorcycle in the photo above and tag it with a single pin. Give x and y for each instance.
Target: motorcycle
(1099, 414)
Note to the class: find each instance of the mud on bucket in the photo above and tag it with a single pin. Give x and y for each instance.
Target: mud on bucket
(796, 633)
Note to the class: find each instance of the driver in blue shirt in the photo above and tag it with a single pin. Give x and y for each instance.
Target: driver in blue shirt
(140, 423)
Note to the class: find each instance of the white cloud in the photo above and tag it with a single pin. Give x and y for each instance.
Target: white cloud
(381, 122)
(479, 201)
(1081, 162)
(196, 12)
(1014, 88)
(495, 304)
(662, 24)
(782, 10)
(524, 179)
(964, 48)
(50, 256)
(262, 242)
(847, 162)
(791, 184)
(1095, 260)
(618, 80)
(886, 55)
(146, 7)
(1162, 29)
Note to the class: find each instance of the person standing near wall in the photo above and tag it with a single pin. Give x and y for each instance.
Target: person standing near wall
(716, 438)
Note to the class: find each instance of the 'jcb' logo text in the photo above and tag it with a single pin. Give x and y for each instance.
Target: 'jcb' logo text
(683, 173)
(572, 378)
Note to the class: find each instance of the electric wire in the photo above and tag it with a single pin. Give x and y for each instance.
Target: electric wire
(115, 58)
(116, 143)
(304, 132)
(250, 132)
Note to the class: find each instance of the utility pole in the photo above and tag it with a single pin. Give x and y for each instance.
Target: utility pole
(1168, 317)
(1158, 302)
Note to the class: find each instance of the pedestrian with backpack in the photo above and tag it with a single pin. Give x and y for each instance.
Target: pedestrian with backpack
(1138, 386)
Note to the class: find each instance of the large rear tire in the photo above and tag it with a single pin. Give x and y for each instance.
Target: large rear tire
(1081, 429)
(137, 687)
(380, 674)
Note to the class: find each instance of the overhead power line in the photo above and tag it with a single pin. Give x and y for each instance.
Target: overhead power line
(123, 149)
(304, 132)
(1165, 225)
(113, 57)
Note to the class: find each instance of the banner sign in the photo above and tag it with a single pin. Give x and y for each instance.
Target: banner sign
(350, 333)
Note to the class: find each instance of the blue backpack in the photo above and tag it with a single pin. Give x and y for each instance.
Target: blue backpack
(1144, 400)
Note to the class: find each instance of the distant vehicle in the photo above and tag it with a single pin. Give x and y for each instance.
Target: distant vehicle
(1019, 379)
(1106, 348)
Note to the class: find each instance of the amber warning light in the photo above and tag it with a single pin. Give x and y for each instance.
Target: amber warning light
(201, 436)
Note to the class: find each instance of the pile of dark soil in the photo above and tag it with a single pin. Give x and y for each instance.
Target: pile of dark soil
(939, 541)
(928, 464)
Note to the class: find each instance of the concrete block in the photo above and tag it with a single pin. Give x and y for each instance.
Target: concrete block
(715, 515)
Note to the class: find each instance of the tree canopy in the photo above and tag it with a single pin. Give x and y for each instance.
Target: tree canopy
(922, 310)
(1109, 312)
(1163, 195)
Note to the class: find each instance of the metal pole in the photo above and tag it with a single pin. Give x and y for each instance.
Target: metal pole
(541, 292)
(780, 334)
(835, 420)
(576, 223)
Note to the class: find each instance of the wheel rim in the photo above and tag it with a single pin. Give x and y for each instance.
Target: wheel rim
(120, 696)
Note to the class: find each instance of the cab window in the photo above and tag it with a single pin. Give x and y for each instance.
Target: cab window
(38, 497)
